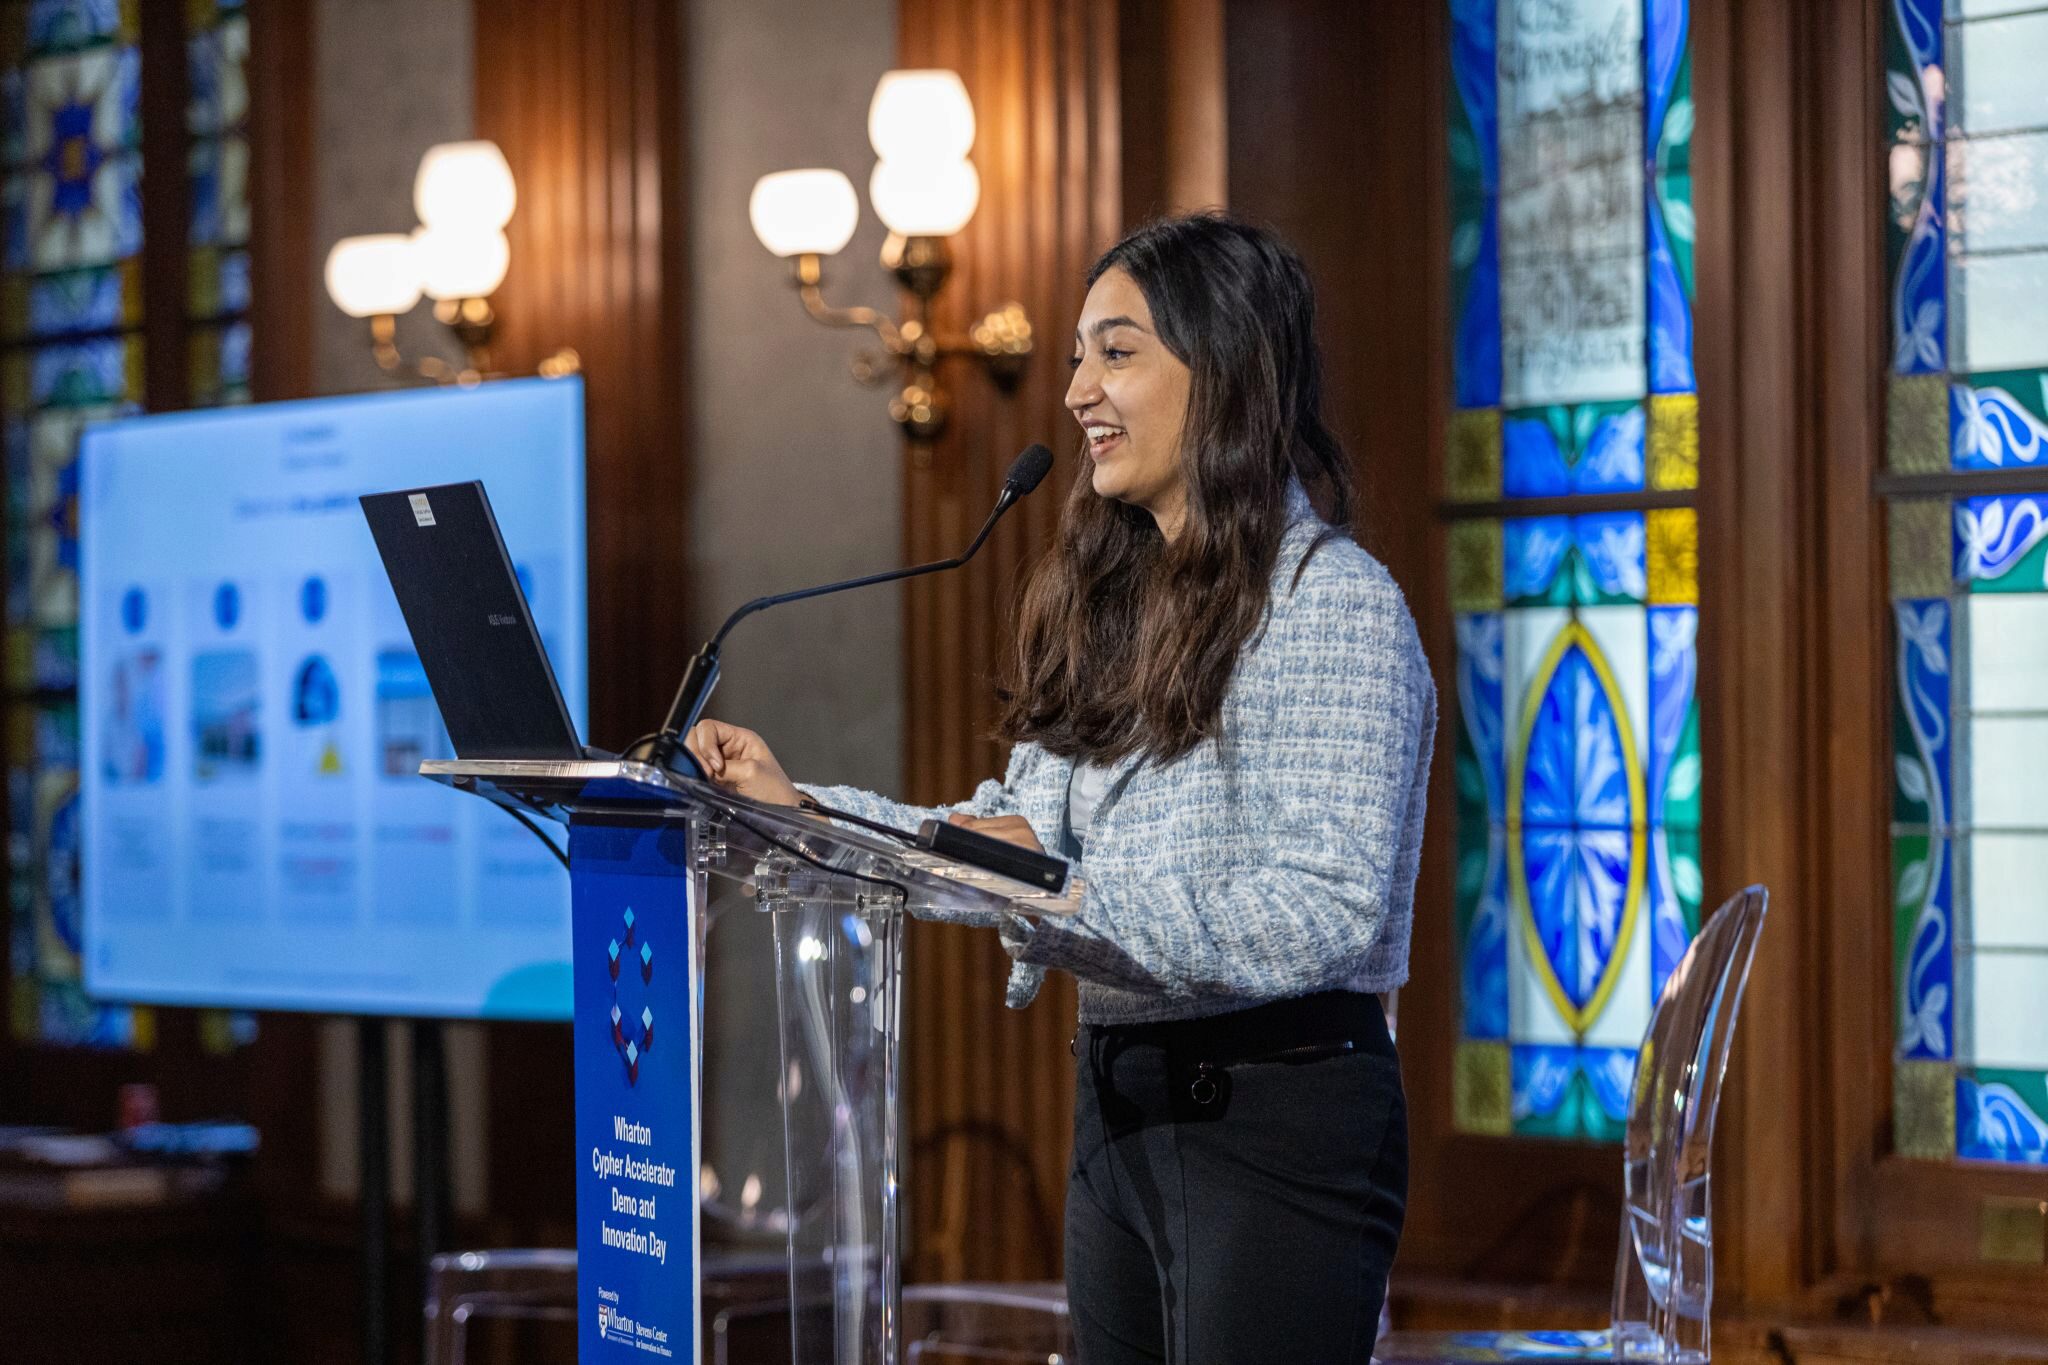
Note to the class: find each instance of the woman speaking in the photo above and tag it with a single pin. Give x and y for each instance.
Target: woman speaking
(1220, 710)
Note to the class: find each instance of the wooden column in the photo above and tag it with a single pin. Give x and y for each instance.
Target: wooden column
(1763, 724)
(584, 96)
(990, 1091)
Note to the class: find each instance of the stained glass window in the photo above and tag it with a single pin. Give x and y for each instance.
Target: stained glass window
(217, 279)
(71, 328)
(1966, 490)
(71, 350)
(1573, 454)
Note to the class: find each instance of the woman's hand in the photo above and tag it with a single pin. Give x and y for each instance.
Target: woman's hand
(740, 761)
(1011, 829)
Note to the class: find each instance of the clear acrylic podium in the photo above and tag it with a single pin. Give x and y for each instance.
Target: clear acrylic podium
(837, 897)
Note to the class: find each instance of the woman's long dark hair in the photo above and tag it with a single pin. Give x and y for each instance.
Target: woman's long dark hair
(1126, 644)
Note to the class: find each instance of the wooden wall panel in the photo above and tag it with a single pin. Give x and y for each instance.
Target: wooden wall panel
(584, 96)
(990, 1090)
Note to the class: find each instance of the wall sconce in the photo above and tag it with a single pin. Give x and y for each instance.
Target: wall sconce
(457, 256)
(924, 189)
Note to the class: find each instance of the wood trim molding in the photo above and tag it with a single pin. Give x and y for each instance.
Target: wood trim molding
(989, 1092)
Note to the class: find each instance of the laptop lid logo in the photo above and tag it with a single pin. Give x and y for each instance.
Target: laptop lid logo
(422, 511)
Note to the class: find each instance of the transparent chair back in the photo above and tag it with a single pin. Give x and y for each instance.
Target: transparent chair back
(528, 1294)
(1664, 1281)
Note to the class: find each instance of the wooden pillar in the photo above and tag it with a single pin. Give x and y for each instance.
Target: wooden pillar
(989, 1090)
(584, 96)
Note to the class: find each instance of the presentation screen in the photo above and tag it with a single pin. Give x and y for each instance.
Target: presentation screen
(253, 715)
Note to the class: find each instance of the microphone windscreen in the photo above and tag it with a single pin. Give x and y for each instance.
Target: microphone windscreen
(1029, 469)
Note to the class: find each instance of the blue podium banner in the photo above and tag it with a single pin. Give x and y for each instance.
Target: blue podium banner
(635, 916)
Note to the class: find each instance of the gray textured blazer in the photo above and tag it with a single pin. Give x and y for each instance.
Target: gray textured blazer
(1275, 859)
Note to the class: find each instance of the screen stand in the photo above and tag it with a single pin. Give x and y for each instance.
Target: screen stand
(373, 1142)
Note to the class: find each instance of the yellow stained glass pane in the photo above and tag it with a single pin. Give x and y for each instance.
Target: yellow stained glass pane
(1674, 441)
(1475, 564)
(1924, 1110)
(1916, 424)
(1481, 1089)
(1674, 554)
(1920, 543)
(1472, 461)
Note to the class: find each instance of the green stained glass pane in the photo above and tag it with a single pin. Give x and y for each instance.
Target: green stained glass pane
(217, 282)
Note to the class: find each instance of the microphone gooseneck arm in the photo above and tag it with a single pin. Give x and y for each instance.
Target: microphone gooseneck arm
(1003, 502)
(663, 748)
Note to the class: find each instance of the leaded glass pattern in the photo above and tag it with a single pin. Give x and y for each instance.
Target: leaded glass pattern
(1967, 222)
(70, 325)
(1574, 568)
(217, 279)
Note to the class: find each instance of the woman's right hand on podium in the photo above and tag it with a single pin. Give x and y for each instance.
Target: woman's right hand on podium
(740, 761)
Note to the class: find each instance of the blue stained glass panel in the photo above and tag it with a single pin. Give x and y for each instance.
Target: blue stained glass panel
(81, 223)
(1923, 790)
(1475, 232)
(1594, 559)
(1999, 421)
(1670, 340)
(1573, 448)
(1915, 91)
(69, 25)
(219, 192)
(15, 209)
(14, 105)
(2001, 542)
(216, 82)
(1570, 1091)
(81, 373)
(1674, 766)
(2002, 1116)
(78, 301)
(1484, 951)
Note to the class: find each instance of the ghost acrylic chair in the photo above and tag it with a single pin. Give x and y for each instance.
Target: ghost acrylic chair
(1664, 1276)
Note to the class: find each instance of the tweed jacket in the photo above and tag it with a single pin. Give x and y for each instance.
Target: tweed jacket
(1276, 858)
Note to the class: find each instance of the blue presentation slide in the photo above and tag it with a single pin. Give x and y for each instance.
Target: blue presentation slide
(253, 714)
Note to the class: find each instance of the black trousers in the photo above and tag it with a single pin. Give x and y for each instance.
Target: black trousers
(1238, 1185)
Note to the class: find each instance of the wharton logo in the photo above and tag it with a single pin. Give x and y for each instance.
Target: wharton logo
(632, 1035)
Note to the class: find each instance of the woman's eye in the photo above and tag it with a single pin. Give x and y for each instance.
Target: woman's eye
(1073, 362)
(1112, 353)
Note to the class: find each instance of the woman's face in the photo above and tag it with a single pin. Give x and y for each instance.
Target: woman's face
(1130, 395)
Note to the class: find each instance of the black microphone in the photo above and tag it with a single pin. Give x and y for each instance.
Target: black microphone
(664, 747)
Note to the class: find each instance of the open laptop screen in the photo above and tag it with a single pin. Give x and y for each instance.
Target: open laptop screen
(469, 621)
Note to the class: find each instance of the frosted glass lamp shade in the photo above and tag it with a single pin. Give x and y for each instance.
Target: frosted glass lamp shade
(464, 184)
(922, 198)
(924, 115)
(460, 263)
(373, 276)
(800, 213)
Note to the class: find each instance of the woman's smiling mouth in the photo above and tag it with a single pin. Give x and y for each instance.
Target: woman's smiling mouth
(1102, 438)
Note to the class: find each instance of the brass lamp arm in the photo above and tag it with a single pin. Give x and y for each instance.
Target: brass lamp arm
(809, 270)
(883, 326)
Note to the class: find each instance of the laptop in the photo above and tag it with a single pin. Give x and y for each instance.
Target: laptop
(470, 623)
